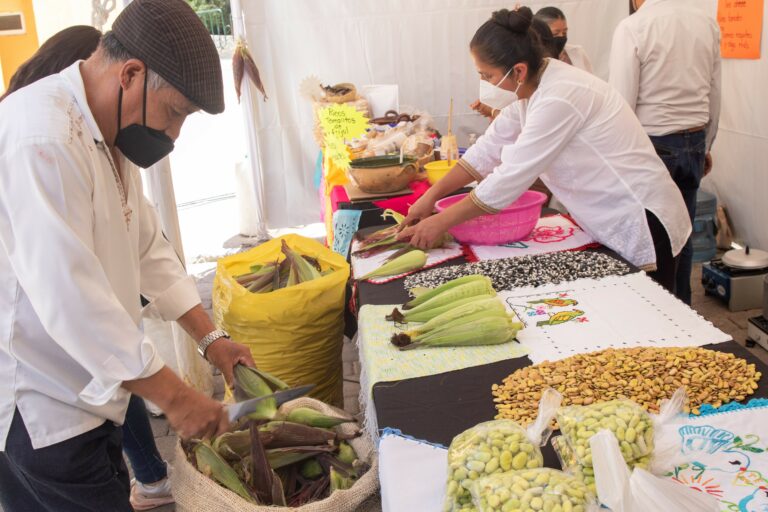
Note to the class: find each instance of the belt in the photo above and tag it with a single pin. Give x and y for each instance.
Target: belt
(690, 130)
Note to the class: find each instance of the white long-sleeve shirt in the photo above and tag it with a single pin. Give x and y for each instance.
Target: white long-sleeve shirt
(581, 138)
(579, 57)
(71, 270)
(665, 61)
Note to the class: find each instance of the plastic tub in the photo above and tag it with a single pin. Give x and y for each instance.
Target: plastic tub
(513, 223)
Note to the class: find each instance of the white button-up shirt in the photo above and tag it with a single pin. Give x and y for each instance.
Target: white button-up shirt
(665, 61)
(71, 270)
(581, 138)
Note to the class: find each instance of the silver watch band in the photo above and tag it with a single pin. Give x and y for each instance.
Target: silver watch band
(209, 338)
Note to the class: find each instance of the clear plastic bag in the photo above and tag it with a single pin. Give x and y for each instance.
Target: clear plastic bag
(639, 491)
(629, 422)
(495, 447)
(534, 489)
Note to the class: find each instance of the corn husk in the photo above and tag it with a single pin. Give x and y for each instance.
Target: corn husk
(412, 260)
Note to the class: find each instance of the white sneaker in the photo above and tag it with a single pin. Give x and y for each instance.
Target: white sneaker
(149, 496)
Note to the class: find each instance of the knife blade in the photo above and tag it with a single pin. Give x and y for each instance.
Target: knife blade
(240, 409)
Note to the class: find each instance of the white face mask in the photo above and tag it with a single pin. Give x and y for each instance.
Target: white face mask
(496, 97)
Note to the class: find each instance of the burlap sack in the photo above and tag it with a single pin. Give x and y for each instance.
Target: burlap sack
(197, 493)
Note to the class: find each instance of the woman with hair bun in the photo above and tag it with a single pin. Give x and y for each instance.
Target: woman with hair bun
(578, 134)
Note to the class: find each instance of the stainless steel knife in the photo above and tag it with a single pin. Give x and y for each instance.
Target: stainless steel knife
(240, 409)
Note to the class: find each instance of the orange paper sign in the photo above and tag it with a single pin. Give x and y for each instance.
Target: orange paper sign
(741, 27)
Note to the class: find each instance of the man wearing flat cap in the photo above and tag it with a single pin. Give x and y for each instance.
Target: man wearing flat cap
(79, 245)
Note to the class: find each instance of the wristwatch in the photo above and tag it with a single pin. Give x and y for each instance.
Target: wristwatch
(210, 338)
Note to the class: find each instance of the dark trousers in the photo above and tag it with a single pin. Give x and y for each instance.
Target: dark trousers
(666, 263)
(683, 154)
(82, 474)
(139, 444)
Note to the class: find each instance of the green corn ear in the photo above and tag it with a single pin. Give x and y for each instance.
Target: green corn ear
(313, 418)
(493, 330)
(346, 453)
(459, 313)
(282, 457)
(311, 469)
(305, 271)
(449, 296)
(425, 315)
(427, 294)
(251, 385)
(213, 466)
(412, 260)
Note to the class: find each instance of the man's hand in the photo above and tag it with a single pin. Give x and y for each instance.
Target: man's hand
(426, 233)
(190, 413)
(193, 415)
(224, 354)
(707, 163)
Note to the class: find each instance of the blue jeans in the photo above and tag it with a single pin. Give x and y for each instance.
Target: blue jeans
(139, 444)
(683, 154)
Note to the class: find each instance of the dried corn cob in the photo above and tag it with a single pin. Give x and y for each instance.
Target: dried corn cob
(251, 70)
(238, 69)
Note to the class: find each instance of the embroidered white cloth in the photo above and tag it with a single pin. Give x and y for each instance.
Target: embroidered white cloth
(552, 234)
(586, 315)
(362, 266)
(412, 473)
(724, 453)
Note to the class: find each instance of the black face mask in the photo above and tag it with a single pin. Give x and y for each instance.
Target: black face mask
(560, 43)
(142, 145)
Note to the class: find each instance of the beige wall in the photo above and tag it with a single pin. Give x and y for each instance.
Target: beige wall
(54, 15)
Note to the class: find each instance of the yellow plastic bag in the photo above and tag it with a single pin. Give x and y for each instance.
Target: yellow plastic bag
(295, 333)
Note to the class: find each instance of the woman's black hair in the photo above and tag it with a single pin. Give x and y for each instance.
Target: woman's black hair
(58, 52)
(550, 14)
(508, 39)
(632, 9)
(548, 44)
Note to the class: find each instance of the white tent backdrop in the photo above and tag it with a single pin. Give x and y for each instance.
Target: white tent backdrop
(423, 47)
(740, 175)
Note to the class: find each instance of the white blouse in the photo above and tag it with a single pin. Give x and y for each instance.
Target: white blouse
(579, 57)
(580, 136)
(71, 269)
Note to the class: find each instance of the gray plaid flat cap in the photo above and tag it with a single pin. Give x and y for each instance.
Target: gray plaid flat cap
(171, 40)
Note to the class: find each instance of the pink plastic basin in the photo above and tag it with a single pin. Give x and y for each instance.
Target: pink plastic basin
(513, 223)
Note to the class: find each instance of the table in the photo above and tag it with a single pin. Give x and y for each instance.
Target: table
(437, 407)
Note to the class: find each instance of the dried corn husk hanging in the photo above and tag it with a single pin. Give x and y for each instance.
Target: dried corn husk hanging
(243, 65)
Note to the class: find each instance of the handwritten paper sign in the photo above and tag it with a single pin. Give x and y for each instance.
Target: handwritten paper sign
(741, 27)
(339, 123)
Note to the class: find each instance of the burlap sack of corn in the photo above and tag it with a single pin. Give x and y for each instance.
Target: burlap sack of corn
(295, 333)
(195, 492)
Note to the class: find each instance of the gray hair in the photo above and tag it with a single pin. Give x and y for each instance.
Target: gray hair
(114, 51)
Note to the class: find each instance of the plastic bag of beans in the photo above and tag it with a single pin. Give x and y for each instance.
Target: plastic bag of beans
(542, 489)
(495, 447)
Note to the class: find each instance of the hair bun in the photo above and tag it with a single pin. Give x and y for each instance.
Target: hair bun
(518, 21)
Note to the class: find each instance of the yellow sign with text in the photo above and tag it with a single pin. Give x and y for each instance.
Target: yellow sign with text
(340, 123)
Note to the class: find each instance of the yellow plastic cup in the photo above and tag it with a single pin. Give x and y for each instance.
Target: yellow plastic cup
(438, 169)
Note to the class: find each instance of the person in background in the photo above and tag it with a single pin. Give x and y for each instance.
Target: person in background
(579, 135)
(568, 53)
(79, 245)
(151, 487)
(665, 61)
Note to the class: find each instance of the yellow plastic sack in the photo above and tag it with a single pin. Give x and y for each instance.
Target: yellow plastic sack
(295, 333)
